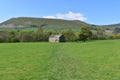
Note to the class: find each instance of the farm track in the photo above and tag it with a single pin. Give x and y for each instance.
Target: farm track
(64, 67)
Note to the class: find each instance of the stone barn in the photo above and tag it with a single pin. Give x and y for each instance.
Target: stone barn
(57, 38)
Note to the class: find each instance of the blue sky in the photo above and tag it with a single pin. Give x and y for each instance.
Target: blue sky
(91, 11)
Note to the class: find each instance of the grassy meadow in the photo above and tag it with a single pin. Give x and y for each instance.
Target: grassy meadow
(95, 60)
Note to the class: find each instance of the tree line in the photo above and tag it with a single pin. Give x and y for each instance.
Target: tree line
(84, 34)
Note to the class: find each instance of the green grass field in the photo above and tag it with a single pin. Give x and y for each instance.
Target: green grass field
(96, 60)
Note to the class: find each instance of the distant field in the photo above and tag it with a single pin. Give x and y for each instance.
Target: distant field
(97, 60)
(35, 29)
(18, 29)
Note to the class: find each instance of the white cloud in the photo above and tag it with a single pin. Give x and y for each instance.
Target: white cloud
(53, 17)
(70, 16)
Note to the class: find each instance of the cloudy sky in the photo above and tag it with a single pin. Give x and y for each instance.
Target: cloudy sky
(91, 11)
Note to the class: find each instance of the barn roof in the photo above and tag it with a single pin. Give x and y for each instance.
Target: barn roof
(56, 36)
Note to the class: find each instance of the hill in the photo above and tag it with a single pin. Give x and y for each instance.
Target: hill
(52, 24)
(112, 25)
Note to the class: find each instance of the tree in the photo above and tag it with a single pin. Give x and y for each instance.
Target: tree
(3, 36)
(33, 26)
(85, 34)
(26, 37)
(69, 35)
(101, 34)
(12, 37)
(1, 39)
(117, 30)
(40, 30)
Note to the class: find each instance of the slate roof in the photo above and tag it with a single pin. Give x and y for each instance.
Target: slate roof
(56, 36)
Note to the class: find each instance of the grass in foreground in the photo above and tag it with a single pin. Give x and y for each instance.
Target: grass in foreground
(97, 60)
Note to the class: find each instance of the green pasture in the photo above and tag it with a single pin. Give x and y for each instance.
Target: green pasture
(95, 60)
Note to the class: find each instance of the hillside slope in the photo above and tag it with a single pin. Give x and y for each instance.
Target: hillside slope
(112, 25)
(45, 23)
